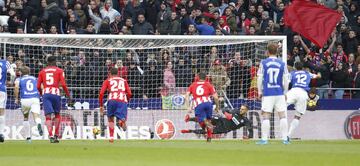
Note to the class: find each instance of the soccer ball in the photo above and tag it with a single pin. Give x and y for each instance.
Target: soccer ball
(311, 103)
(96, 130)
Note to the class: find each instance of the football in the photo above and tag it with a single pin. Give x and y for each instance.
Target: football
(96, 130)
(311, 103)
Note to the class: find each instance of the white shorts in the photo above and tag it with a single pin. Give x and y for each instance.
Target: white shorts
(3, 98)
(30, 105)
(276, 103)
(298, 97)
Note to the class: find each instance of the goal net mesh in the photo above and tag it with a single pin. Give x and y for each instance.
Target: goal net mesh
(158, 70)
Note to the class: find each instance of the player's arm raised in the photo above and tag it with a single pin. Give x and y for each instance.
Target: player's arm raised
(286, 80)
(11, 71)
(101, 96)
(16, 91)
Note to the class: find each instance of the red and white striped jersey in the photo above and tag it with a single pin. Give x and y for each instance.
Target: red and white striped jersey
(201, 92)
(118, 89)
(51, 77)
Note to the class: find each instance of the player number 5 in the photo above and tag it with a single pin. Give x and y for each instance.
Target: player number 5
(49, 78)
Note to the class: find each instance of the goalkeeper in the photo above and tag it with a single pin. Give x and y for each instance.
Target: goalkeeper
(232, 120)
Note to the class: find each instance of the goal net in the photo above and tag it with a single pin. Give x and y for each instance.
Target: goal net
(158, 68)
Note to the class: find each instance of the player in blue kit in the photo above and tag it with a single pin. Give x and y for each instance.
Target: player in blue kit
(30, 102)
(272, 85)
(298, 94)
(5, 68)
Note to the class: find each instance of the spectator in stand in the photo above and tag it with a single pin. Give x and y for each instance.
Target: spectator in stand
(351, 66)
(151, 8)
(94, 14)
(356, 94)
(169, 78)
(184, 20)
(122, 70)
(191, 30)
(183, 73)
(324, 69)
(116, 25)
(163, 19)
(53, 14)
(153, 80)
(231, 20)
(142, 27)
(340, 79)
(350, 43)
(80, 13)
(108, 11)
(174, 25)
(135, 79)
(219, 77)
(204, 28)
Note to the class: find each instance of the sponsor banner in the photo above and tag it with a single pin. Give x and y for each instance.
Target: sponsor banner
(167, 124)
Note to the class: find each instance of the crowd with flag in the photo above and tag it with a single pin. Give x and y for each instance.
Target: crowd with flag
(324, 34)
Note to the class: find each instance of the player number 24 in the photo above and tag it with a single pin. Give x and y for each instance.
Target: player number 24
(116, 85)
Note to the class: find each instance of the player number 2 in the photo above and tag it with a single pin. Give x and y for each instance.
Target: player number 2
(116, 85)
(199, 90)
(273, 75)
(29, 85)
(49, 78)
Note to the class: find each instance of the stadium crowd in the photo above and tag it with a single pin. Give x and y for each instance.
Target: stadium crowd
(231, 71)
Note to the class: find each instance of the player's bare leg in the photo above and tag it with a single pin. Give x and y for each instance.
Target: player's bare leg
(57, 121)
(2, 124)
(111, 128)
(122, 124)
(38, 123)
(209, 129)
(48, 123)
(284, 127)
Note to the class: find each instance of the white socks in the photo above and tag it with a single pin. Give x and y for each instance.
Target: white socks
(2, 124)
(284, 128)
(38, 121)
(265, 129)
(27, 129)
(294, 124)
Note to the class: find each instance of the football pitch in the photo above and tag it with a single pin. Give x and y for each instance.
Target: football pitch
(179, 153)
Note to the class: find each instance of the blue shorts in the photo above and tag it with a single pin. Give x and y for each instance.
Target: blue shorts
(203, 111)
(51, 103)
(117, 109)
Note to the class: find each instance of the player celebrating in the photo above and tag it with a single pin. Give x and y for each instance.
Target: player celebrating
(232, 121)
(30, 101)
(272, 84)
(297, 95)
(50, 78)
(119, 95)
(5, 68)
(201, 91)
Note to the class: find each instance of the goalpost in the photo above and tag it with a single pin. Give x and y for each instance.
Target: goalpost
(158, 68)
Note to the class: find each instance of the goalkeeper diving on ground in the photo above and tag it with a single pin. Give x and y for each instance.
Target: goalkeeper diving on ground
(229, 121)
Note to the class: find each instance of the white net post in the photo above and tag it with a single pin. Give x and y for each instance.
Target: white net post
(158, 68)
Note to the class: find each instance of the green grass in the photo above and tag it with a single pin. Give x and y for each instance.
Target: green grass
(179, 153)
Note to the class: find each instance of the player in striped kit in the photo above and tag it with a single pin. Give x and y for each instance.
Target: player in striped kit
(30, 102)
(49, 80)
(5, 68)
(119, 96)
(202, 91)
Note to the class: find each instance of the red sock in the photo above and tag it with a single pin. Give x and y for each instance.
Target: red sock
(202, 125)
(209, 132)
(111, 127)
(48, 124)
(57, 124)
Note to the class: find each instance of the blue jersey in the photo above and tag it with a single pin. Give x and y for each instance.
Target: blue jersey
(28, 88)
(300, 79)
(4, 66)
(273, 71)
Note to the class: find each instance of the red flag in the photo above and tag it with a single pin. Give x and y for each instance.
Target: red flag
(314, 22)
